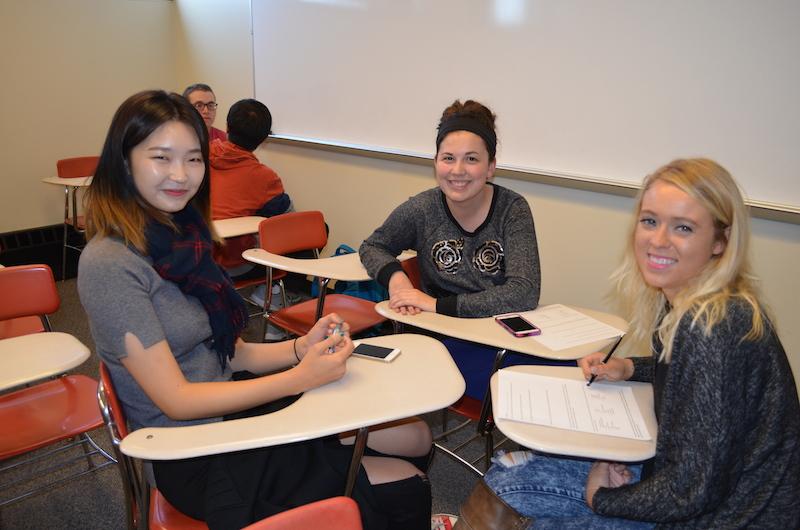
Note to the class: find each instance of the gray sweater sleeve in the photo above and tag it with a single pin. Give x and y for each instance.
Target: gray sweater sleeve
(379, 251)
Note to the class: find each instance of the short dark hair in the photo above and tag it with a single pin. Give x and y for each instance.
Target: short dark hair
(195, 87)
(114, 205)
(249, 123)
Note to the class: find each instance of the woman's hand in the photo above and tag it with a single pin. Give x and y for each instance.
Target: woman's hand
(321, 330)
(606, 475)
(616, 369)
(319, 366)
(407, 300)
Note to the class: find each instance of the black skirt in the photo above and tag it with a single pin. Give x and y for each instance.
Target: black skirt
(232, 490)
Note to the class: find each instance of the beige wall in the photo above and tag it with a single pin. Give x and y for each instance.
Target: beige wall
(66, 67)
(214, 46)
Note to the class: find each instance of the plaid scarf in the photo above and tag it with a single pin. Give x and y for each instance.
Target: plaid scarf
(184, 257)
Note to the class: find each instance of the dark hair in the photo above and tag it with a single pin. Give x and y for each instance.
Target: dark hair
(114, 205)
(469, 116)
(195, 87)
(249, 123)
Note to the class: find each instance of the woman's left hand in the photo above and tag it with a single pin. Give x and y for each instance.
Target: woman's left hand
(606, 475)
(412, 298)
(322, 330)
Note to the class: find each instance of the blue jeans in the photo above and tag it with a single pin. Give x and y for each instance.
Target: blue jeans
(551, 490)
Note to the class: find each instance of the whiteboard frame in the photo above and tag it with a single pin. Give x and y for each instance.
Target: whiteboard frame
(759, 209)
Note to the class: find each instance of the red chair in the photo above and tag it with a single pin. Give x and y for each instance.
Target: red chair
(303, 231)
(67, 168)
(35, 323)
(41, 415)
(20, 326)
(147, 508)
(229, 256)
(336, 513)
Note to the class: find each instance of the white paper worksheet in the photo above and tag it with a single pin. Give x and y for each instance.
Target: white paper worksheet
(602, 408)
(563, 327)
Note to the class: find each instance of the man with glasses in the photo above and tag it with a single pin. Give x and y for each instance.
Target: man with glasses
(203, 99)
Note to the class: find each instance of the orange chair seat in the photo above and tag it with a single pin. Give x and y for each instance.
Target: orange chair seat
(299, 318)
(164, 516)
(340, 513)
(241, 284)
(337, 512)
(16, 327)
(46, 413)
(468, 407)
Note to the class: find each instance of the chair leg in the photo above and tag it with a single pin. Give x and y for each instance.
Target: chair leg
(264, 321)
(64, 254)
(283, 294)
(87, 451)
(458, 459)
(489, 445)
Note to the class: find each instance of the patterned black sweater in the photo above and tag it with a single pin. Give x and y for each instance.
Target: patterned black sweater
(728, 449)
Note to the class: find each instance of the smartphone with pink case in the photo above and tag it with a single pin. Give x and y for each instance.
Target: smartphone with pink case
(517, 326)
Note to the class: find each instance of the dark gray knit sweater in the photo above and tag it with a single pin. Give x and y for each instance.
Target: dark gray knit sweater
(494, 269)
(728, 449)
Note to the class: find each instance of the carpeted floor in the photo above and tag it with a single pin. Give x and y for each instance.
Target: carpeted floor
(95, 501)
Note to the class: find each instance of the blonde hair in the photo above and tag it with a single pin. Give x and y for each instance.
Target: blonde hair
(726, 276)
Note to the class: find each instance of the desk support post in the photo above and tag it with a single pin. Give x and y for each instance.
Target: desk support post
(323, 287)
(486, 406)
(355, 463)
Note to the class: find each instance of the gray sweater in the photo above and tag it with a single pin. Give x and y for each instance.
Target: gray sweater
(728, 449)
(494, 269)
(121, 293)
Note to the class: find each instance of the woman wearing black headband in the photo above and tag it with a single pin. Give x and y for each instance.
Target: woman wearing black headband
(475, 241)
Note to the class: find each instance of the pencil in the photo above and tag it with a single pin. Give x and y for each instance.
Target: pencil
(605, 359)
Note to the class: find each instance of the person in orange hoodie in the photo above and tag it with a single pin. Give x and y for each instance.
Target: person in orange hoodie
(240, 184)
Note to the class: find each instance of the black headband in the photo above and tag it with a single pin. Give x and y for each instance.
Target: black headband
(465, 123)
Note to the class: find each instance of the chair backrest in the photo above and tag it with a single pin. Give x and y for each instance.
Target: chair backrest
(411, 268)
(79, 166)
(28, 290)
(136, 491)
(109, 404)
(293, 232)
(336, 513)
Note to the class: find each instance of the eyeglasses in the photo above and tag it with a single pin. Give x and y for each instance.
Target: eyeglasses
(210, 106)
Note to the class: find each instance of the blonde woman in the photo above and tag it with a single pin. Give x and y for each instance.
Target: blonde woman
(728, 450)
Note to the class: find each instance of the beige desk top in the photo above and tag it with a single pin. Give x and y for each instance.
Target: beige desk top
(487, 331)
(38, 356)
(421, 379)
(346, 267)
(572, 443)
(237, 226)
(77, 182)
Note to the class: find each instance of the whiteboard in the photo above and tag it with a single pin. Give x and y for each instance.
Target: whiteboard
(604, 90)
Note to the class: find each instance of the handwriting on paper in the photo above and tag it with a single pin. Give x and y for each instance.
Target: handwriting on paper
(603, 408)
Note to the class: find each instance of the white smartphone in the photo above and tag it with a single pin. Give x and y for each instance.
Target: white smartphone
(376, 353)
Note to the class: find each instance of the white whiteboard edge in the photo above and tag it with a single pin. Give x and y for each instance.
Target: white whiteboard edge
(762, 209)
